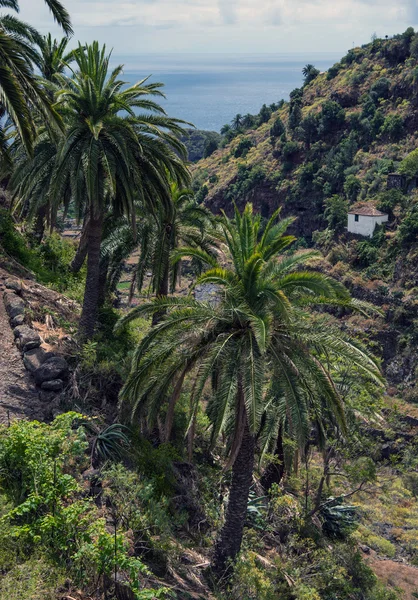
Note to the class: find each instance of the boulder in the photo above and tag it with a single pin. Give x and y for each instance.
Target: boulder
(27, 337)
(13, 284)
(13, 304)
(18, 320)
(33, 359)
(53, 368)
(55, 385)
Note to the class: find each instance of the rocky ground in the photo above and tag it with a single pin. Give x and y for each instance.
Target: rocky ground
(33, 370)
(19, 397)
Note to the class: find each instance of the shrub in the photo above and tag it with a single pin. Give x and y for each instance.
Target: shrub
(393, 127)
(210, 146)
(289, 150)
(243, 147)
(201, 194)
(335, 212)
(352, 188)
(367, 253)
(247, 179)
(409, 165)
(414, 47)
(48, 511)
(333, 71)
(408, 229)
(381, 88)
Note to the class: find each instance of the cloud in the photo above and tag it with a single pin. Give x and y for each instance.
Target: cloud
(228, 25)
(228, 12)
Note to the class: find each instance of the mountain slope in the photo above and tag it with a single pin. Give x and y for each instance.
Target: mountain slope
(345, 130)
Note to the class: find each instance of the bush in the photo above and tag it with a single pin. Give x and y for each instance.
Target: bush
(48, 511)
(408, 229)
(247, 179)
(367, 253)
(335, 212)
(381, 88)
(393, 127)
(243, 147)
(414, 47)
(289, 150)
(409, 165)
(352, 188)
(49, 261)
(333, 71)
(211, 145)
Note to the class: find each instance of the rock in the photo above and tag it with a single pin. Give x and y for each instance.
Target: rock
(33, 359)
(28, 338)
(13, 284)
(18, 320)
(46, 396)
(13, 304)
(52, 368)
(55, 385)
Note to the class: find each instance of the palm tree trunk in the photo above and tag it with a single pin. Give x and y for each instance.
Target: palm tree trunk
(163, 286)
(91, 291)
(229, 542)
(169, 419)
(275, 470)
(39, 227)
(103, 288)
(81, 253)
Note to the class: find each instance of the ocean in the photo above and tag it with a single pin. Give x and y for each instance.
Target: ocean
(209, 90)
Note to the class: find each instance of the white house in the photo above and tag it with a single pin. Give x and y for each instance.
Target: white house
(363, 219)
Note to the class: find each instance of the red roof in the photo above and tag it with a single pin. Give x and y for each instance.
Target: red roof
(366, 210)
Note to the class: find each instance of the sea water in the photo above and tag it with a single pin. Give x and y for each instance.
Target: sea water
(209, 90)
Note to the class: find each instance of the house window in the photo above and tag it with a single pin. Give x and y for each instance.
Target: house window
(356, 218)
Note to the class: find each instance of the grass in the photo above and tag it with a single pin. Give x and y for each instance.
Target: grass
(35, 579)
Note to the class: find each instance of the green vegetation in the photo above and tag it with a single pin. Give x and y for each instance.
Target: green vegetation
(238, 438)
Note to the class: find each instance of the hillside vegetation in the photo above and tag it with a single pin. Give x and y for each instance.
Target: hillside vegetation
(246, 428)
(334, 143)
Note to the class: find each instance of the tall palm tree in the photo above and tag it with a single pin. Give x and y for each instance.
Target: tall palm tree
(19, 87)
(257, 345)
(110, 153)
(53, 57)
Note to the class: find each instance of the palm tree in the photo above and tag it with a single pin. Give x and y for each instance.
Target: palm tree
(53, 57)
(309, 73)
(161, 235)
(258, 345)
(237, 122)
(111, 154)
(19, 87)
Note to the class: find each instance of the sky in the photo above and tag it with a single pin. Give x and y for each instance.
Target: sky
(133, 27)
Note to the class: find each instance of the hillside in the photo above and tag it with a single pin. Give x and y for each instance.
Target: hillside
(342, 133)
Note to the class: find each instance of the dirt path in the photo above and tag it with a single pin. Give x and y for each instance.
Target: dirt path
(18, 395)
